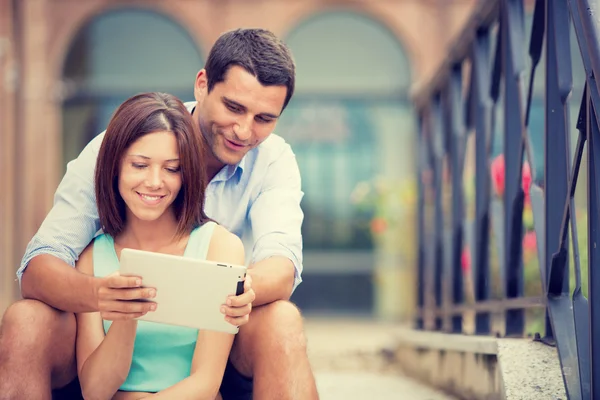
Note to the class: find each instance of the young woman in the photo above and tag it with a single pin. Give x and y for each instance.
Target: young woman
(150, 185)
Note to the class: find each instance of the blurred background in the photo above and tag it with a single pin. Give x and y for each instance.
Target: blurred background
(65, 65)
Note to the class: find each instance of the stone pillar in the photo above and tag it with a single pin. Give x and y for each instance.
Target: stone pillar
(8, 170)
(8, 89)
(38, 140)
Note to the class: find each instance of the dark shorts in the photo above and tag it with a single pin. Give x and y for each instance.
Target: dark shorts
(235, 386)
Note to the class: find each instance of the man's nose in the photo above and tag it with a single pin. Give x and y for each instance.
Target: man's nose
(243, 129)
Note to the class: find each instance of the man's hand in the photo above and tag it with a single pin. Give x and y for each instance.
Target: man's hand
(237, 308)
(120, 297)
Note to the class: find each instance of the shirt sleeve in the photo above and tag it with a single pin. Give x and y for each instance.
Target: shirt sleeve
(73, 220)
(275, 215)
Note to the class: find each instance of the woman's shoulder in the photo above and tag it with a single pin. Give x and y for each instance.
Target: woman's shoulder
(85, 263)
(225, 246)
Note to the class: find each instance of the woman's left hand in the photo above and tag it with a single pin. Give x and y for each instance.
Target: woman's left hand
(237, 309)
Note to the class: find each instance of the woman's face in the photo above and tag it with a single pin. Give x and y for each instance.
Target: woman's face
(150, 180)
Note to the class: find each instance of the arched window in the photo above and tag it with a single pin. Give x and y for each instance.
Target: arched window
(348, 122)
(351, 97)
(116, 55)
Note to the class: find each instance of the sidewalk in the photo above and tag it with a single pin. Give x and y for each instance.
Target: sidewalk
(349, 364)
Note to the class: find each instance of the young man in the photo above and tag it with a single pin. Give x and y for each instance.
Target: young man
(254, 191)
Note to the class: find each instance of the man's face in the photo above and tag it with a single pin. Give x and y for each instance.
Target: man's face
(237, 115)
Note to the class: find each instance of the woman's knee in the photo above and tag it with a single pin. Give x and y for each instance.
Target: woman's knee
(31, 325)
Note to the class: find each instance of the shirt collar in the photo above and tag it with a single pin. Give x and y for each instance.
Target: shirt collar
(229, 171)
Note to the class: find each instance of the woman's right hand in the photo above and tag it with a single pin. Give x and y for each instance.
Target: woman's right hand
(122, 297)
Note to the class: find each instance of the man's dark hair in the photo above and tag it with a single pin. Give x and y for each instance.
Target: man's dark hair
(259, 52)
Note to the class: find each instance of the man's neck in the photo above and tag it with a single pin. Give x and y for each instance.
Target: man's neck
(213, 167)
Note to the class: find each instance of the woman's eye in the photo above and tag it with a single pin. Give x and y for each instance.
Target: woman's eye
(138, 166)
(173, 170)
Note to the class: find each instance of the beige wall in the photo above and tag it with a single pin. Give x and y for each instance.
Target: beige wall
(34, 43)
(8, 171)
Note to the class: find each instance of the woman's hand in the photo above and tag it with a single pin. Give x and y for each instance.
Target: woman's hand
(237, 308)
(122, 297)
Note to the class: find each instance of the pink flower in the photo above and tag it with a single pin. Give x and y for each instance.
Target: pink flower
(498, 172)
(465, 260)
(529, 241)
(378, 225)
(526, 181)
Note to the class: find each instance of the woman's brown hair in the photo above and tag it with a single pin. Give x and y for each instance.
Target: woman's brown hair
(138, 116)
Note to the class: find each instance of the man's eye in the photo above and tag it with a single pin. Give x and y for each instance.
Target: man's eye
(233, 108)
(263, 120)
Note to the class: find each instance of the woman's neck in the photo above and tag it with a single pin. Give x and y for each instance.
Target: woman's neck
(154, 235)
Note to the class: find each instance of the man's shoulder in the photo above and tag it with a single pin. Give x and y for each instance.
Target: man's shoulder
(190, 105)
(272, 157)
(272, 148)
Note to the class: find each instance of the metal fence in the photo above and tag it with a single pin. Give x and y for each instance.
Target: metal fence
(490, 61)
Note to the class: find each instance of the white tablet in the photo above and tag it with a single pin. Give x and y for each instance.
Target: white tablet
(189, 292)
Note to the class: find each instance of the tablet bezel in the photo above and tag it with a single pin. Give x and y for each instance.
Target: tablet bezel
(193, 301)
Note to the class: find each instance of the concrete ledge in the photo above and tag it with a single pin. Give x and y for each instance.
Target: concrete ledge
(445, 341)
(479, 367)
(530, 370)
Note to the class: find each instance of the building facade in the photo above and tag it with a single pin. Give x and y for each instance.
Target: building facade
(66, 64)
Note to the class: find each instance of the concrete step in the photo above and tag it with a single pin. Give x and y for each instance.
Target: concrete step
(349, 359)
(370, 386)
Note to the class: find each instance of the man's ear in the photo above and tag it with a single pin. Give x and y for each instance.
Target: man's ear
(200, 85)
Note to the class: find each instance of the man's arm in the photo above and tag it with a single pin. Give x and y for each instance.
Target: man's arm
(47, 272)
(51, 280)
(276, 219)
(272, 279)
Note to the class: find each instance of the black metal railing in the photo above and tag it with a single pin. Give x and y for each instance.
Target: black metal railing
(463, 101)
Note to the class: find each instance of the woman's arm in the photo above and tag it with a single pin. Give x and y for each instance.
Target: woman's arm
(103, 362)
(212, 348)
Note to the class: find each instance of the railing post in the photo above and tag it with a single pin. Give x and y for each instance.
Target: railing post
(594, 243)
(456, 138)
(421, 228)
(513, 40)
(437, 139)
(557, 166)
(481, 106)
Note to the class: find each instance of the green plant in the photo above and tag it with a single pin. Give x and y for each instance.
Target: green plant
(390, 206)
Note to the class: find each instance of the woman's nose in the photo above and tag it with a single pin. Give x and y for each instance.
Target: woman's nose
(154, 179)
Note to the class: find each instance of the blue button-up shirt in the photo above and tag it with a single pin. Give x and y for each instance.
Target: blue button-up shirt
(257, 199)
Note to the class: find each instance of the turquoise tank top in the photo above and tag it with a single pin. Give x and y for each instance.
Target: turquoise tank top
(162, 354)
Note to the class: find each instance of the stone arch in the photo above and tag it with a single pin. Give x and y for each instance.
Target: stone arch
(81, 14)
(115, 54)
(325, 56)
(365, 11)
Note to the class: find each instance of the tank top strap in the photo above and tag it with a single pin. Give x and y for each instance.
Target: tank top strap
(199, 241)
